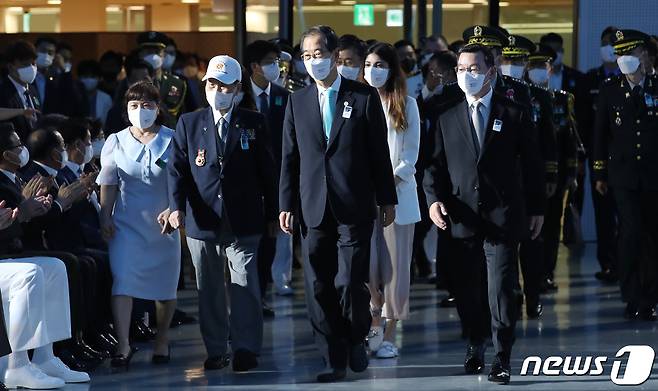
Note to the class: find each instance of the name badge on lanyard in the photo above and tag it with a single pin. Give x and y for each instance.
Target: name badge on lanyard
(648, 100)
(244, 140)
(347, 111)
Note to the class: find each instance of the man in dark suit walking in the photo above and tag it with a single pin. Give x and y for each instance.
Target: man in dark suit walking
(485, 181)
(262, 63)
(222, 189)
(336, 160)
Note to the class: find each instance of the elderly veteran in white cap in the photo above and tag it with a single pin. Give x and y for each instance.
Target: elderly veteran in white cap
(222, 189)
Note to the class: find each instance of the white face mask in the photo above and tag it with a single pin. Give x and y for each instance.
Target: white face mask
(89, 154)
(281, 82)
(469, 83)
(67, 67)
(238, 98)
(376, 77)
(538, 76)
(154, 60)
(90, 83)
(558, 60)
(168, 61)
(608, 53)
(142, 118)
(628, 64)
(351, 73)
(425, 59)
(515, 71)
(219, 100)
(23, 157)
(318, 68)
(97, 146)
(271, 72)
(27, 74)
(64, 158)
(300, 67)
(44, 60)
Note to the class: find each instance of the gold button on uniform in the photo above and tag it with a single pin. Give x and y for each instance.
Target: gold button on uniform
(638, 145)
(637, 121)
(638, 133)
(638, 157)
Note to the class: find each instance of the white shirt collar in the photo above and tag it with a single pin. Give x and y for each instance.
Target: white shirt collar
(257, 90)
(21, 88)
(217, 116)
(51, 171)
(9, 174)
(632, 85)
(74, 167)
(334, 86)
(484, 101)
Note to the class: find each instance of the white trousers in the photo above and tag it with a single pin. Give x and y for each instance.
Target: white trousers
(35, 299)
(282, 263)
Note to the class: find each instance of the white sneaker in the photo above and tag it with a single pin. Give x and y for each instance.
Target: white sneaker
(31, 377)
(56, 368)
(387, 350)
(375, 338)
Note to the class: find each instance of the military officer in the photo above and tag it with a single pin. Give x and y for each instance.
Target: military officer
(152, 46)
(626, 163)
(515, 53)
(566, 164)
(604, 214)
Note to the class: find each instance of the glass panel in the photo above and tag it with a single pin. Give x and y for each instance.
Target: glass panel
(262, 19)
(114, 18)
(216, 20)
(532, 19)
(457, 15)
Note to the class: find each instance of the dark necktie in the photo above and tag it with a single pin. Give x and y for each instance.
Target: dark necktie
(223, 132)
(28, 99)
(19, 183)
(263, 99)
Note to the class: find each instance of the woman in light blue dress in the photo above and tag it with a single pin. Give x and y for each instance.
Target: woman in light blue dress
(144, 250)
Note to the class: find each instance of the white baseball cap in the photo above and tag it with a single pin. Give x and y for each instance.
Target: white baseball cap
(225, 69)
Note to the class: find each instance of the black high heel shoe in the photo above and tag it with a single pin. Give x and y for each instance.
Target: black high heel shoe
(161, 358)
(121, 361)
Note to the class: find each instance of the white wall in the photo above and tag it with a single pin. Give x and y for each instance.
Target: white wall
(595, 15)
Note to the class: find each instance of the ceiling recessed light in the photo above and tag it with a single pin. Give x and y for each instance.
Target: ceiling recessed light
(190, 1)
(55, 2)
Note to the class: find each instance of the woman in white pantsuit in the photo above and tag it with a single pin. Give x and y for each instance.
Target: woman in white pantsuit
(391, 250)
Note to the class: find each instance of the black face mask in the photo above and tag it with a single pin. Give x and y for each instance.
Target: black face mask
(408, 64)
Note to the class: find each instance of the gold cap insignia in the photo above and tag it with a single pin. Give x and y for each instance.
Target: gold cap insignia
(620, 35)
(477, 31)
(220, 66)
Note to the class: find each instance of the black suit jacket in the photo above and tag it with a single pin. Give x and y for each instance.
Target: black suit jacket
(489, 194)
(10, 238)
(275, 116)
(351, 171)
(64, 95)
(242, 184)
(10, 98)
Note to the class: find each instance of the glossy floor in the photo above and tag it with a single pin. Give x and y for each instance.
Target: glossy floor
(582, 318)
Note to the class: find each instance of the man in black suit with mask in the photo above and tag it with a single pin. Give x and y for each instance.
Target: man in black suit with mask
(336, 159)
(485, 181)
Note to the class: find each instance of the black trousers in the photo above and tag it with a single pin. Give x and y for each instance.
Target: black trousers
(605, 218)
(339, 257)
(265, 258)
(550, 233)
(486, 296)
(638, 235)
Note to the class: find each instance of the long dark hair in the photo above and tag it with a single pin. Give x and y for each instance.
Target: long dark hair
(395, 89)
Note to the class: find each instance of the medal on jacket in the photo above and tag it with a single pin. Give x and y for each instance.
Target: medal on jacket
(200, 158)
(510, 93)
(618, 120)
(244, 140)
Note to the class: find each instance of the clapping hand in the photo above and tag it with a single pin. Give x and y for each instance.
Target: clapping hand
(7, 215)
(37, 186)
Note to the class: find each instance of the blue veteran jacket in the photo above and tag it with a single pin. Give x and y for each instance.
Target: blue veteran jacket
(240, 185)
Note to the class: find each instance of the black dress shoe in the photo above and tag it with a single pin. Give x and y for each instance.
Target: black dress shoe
(268, 312)
(181, 318)
(474, 361)
(534, 308)
(75, 363)
(607, 276)
(140, 332)
(216, 362)
(161, 358)
(448, 302)
(333, 376)
(358, 358)
(123, 361)
(500, 372)
(648, 314)
(244, 360)
(631, 311)
(548, 285)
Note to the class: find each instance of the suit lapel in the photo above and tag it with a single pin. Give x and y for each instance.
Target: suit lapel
(209, 136)
(313, 111)
(495, 113)
(233, 135)
(460, 114)
(344, 99)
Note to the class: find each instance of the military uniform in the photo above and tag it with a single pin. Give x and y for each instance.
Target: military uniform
(626, 157)
(172, 88)
(605, 216)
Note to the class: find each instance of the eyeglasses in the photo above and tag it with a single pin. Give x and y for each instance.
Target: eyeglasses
(317, 54)
(473, 69)
(270, 62)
